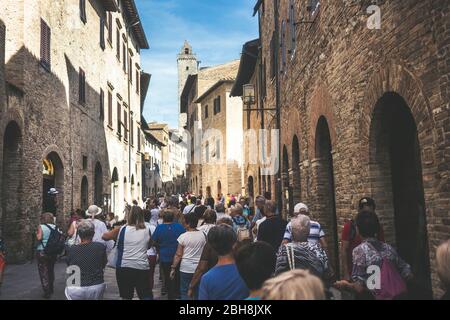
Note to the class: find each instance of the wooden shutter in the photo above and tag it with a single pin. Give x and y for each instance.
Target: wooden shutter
(137, 81)
(83, 10)
(110, 111)
(118, 44)
(45, 45)
(110, 29)
(102, 104)
(119, 121)
(102, 33)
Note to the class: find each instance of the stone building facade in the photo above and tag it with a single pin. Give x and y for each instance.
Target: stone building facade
(59, 127)
(364, 111)
(196, 85)
(221, 145)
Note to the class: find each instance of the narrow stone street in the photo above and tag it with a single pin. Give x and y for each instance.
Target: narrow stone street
(21, 282)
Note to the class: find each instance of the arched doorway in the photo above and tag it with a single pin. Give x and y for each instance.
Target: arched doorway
(250, 187)
(84, 199)
(115, 191)
(208, 191)
(396, 172)
(296, 182)
(98, 185)
(53, 178)
(12, 192)
(287, 189)
(326, 202)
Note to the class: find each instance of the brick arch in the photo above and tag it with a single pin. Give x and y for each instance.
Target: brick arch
(396, 78)
(7, 117)
(321, 105)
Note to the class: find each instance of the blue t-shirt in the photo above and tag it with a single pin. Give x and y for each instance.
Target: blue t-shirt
(167, 237)
(223, 283)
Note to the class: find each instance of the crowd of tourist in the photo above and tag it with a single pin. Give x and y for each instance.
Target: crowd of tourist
(223, 249)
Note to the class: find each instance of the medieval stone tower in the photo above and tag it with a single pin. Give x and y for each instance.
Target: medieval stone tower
(187, 65)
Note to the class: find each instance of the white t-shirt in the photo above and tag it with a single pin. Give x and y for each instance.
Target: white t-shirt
(193, 243)
(206, 227)
(189, 209)
(152, 250)
(100, 229)
(154, 216)
(135, 248)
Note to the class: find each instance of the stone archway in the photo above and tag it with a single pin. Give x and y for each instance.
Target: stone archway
(53, 178)
(325, 189)
(397, 183)
(11, 189)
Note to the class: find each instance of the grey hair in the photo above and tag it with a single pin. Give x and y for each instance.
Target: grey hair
(86, 229)
(301, 226)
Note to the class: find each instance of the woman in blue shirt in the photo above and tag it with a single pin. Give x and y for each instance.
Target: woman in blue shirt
(165, 239)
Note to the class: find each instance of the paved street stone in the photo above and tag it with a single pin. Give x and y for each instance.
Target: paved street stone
(21, 282)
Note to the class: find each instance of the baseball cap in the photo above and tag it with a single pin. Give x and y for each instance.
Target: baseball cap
(366, 201)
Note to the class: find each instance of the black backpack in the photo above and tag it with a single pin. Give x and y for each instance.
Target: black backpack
(55, 243)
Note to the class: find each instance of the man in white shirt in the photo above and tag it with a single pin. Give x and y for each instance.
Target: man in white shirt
(191, 207)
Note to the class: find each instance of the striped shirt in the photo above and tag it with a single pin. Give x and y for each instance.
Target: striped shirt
(315, 233)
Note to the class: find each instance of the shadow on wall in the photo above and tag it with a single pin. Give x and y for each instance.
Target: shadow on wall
(47, 140)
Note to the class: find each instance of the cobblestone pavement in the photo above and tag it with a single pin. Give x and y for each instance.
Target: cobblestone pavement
(21, 282)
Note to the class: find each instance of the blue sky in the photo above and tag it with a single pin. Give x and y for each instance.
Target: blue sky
(216, 29)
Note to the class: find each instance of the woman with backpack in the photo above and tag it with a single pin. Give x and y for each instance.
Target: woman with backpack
(240, 224)
(46, 255)
(393, 271)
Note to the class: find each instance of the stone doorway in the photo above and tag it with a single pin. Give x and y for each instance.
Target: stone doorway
(53, 178)
(12, 227)
(397, 185)
(325, 190)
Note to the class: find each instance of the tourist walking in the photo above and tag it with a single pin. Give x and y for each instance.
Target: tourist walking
(350, 238)
(294, 285)
(46, 259)
(151, 252)
(190, 207)
(223, 282)
(316, 233)
(302, 253)
(189, 251)
(209, 221)
(220, 212)
(207, 261)
(132, 271)
(372, 252)
(273, 228)
(256, 264)
(165, 239)
(443, 267)
(90, 257)
(241, 225)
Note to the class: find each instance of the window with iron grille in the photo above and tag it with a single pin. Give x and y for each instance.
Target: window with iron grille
(102, 33)
(110, 111)
(83, 11)
(132, 131)
(206, 111)
(102, 104)
(85, 162)
(82, 87)
(45, 45)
